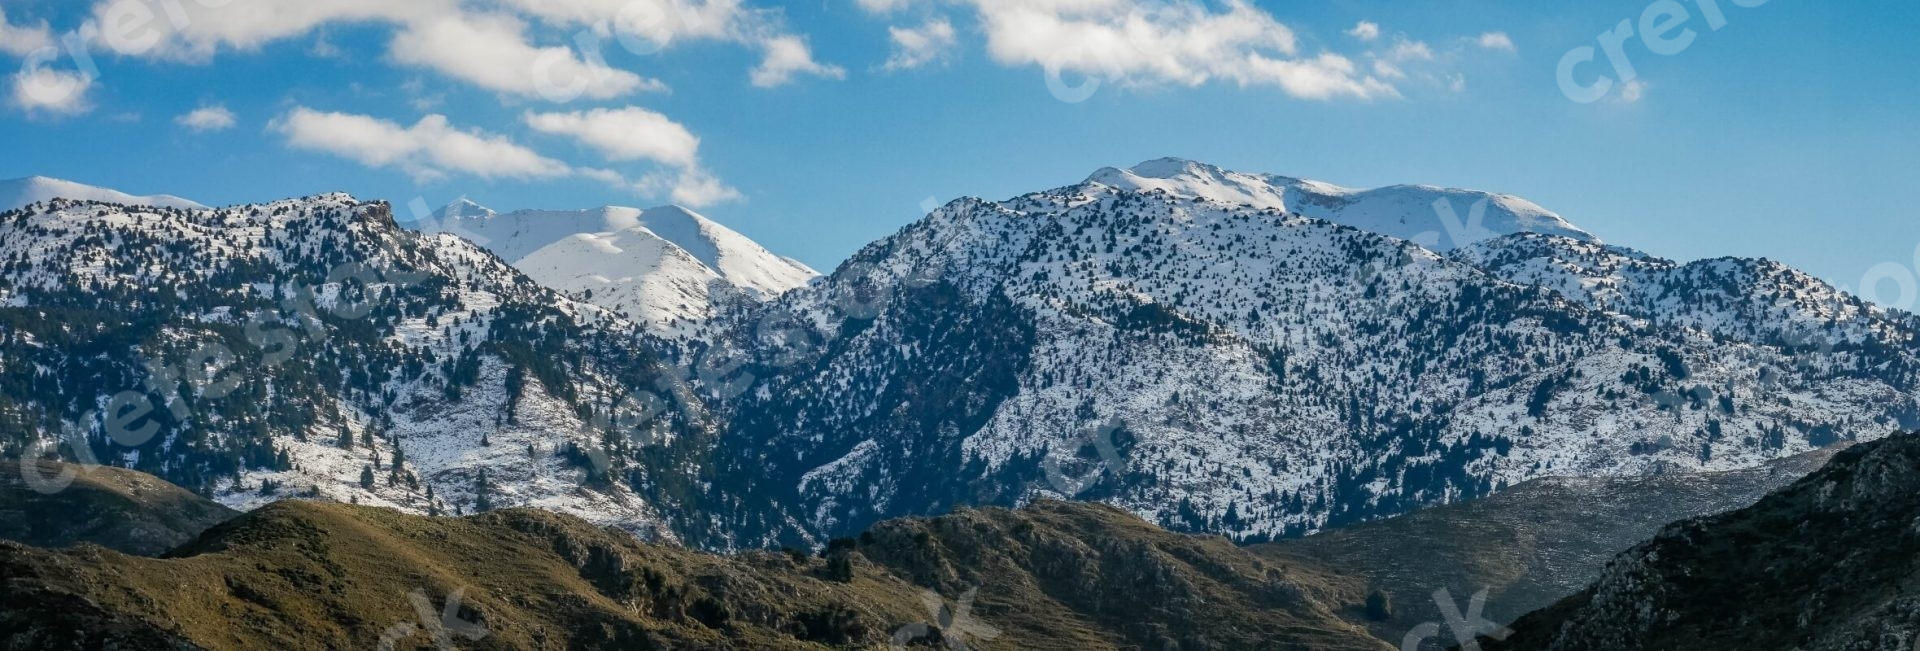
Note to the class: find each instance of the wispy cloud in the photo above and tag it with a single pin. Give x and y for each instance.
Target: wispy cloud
(918, 46)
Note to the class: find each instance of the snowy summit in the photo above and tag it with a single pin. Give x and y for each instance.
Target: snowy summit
(1408, 212)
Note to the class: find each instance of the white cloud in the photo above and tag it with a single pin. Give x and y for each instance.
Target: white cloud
(626, 134)
(18, 40)
(884, 6)
(919, 46)
(1496, 41)
(1631, 92)
(1365, 31)
(634, 134)
(1323, 77)
(1136, 43)
(645, 27)
(691, 187)
(51, 92)
(208, 118)
(1409, 50)
(148, 27)
(428, 150)
(657, 21)
(483, 42)
(787, 56)
(491, 51)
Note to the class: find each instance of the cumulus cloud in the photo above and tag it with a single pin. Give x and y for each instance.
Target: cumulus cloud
(1365, 31)
(430, 149)
(786, 58)
(491, 51)
(644, 27)
(482, 43)
(636, 134)
(208, 118)
(918, 46)
(1133, 42)
(44, 91)
(1495, 41)
(658, 20)
(18, 40)
(626, 134)
(196, 31)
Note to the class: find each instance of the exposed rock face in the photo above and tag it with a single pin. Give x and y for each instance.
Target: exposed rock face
(1827, 563)
(1528, 546)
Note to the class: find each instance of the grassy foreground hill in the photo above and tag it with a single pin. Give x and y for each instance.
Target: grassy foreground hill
(124, 510)
(310, 575)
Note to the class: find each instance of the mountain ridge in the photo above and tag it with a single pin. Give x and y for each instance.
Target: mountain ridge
(18, 193)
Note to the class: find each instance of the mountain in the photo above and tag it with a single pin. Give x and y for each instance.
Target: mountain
(1406, 212)
(1826, 563)
(18, 193)
(313, 347)
(1528, 546)
(123, 510)
(309, 575)
(1208, 366)
(1227, 366)
(664, 267)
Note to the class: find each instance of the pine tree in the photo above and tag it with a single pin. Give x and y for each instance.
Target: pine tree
(366, 477)
(482, 501)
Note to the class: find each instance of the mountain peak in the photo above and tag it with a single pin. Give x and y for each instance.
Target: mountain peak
(18, 193)
(462, 207)
(1441, 219)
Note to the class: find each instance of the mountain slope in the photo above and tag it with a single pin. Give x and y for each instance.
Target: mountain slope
(18, 193)
(1273, 374)
(303, 575)
(1826, 563)
(123, 510)
(313, 347)
(1528, 546)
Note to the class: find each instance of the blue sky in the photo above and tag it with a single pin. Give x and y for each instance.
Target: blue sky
(1786, 133)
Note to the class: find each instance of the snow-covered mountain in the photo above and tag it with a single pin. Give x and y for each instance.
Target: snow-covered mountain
(1177, 340)
(664, 267)
(18, 193)
(1269, 373)
(1408, 212)
(313, 347)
